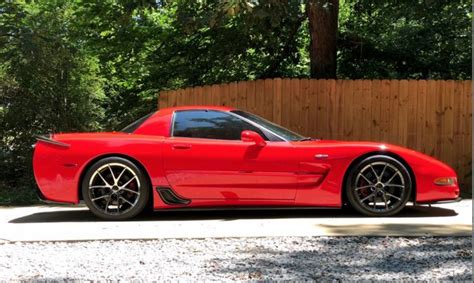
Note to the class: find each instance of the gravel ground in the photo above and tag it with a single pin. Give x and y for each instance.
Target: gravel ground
(282, 258)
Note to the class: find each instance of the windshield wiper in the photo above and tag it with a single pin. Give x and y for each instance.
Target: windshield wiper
(305, 139)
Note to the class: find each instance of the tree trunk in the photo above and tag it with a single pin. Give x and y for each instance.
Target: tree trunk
(323, 16)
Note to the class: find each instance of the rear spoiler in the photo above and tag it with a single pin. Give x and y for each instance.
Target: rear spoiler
(50, 140)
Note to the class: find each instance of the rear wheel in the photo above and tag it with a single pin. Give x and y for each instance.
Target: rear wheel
(378, 186)
(114, 188)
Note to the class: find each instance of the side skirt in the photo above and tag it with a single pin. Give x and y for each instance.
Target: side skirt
(231, 208)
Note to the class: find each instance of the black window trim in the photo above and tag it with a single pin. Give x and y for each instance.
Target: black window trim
(227, 112)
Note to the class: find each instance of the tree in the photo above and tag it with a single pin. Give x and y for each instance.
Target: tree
(422, 39)
(323, 26)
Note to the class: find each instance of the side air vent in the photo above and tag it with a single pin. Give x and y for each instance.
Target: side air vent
(171, 198)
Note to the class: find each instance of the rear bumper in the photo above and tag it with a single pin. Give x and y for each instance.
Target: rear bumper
(43, 199)
(439, 201)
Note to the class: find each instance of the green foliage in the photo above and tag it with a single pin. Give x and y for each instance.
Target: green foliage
(48, 84)
(87, 65)
(421, 39)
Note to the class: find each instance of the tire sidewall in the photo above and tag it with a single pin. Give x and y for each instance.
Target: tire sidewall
(350, 190)
(144, 189)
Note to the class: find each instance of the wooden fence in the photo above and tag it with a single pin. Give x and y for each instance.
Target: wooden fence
(430, 116)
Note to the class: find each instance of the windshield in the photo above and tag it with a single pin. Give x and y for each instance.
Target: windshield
(133, 126)
(279, 130)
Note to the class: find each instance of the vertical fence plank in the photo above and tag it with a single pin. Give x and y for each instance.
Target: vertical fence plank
(385, 108)
(403, 113)
(448, 122)
(241, 102)
(232, 94)
(277, 87)
(250, 96)
(313, 111)
(206, 95)
(366, 108)
(412, 113)
(304, 110)
(394, 109)
(162, 100)
(340, 109)
(421, 116)
(224, 95)
(268, 99)
(358, 123)
(458, 100)
(467, 147)
(259, 98)
(295, 105)
(348, 106)
(438, 117)
(333, 110)
(430, 121)
(323, 107)
(376, 110)
(317, 113)
(286, 102)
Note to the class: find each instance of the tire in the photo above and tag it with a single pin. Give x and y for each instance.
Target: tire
(378, 185)
(114, 188)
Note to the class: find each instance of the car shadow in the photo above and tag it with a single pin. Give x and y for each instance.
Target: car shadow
(83, 215)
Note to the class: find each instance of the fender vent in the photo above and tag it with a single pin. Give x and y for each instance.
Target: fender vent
(171, 198)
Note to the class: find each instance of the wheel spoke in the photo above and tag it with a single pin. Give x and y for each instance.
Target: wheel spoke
(101, 197)
(112, 173)
(100, 175)
(385, 200)
(118, 204)
(128, 182)
(120, 175)
(364, 187)
(390, 195)
(391, 178)
(365, 178)
(395, 185)
(98, 187)
(126, 201)
(375, 173)
(107, 205)
(367, 197)
(383, 172)
(131, 191)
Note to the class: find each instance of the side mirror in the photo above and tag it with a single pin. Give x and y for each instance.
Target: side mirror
(251, 136)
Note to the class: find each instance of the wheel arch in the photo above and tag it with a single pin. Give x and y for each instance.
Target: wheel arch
(129, 158)
(373, 153)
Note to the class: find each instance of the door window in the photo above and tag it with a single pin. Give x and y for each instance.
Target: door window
(210, 125)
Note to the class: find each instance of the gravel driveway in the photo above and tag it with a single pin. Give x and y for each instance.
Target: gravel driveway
(310, 258)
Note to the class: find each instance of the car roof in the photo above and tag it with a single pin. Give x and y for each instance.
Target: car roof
(197, 107)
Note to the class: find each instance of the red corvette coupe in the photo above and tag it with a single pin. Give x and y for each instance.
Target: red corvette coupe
(210, 157)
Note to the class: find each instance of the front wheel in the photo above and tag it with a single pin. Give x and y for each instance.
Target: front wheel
(114, 188)
(378, 186)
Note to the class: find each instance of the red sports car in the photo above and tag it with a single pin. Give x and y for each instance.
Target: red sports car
(220, 157)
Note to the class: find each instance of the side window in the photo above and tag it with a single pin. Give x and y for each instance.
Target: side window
(210, 125)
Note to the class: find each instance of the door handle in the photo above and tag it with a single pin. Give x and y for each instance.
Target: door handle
(181, 146)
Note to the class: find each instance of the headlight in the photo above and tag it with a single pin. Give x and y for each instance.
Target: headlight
(445, 181)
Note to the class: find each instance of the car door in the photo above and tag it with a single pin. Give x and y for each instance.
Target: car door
(205, 159)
